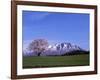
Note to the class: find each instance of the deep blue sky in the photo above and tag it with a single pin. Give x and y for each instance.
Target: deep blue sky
(56, 27)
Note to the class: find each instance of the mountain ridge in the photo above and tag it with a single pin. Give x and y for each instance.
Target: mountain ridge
(55, 49)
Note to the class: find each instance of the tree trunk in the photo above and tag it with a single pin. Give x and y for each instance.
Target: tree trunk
(39, 53)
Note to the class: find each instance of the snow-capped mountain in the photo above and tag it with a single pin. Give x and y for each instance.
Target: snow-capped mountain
(55, 49)
(64, 46)
(60, 49)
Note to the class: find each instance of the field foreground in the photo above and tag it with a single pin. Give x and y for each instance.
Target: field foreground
(55, 61)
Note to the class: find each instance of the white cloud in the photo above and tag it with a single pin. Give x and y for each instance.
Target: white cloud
(36, 17)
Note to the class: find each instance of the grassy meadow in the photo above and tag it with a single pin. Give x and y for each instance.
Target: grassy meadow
(55, 61)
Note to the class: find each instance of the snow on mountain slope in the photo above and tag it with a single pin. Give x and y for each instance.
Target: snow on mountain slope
(64, 46)
(60, 49)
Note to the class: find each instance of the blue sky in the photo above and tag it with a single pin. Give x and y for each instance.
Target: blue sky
(56, 27)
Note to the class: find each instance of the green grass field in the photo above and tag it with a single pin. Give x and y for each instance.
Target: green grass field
(51, 61)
